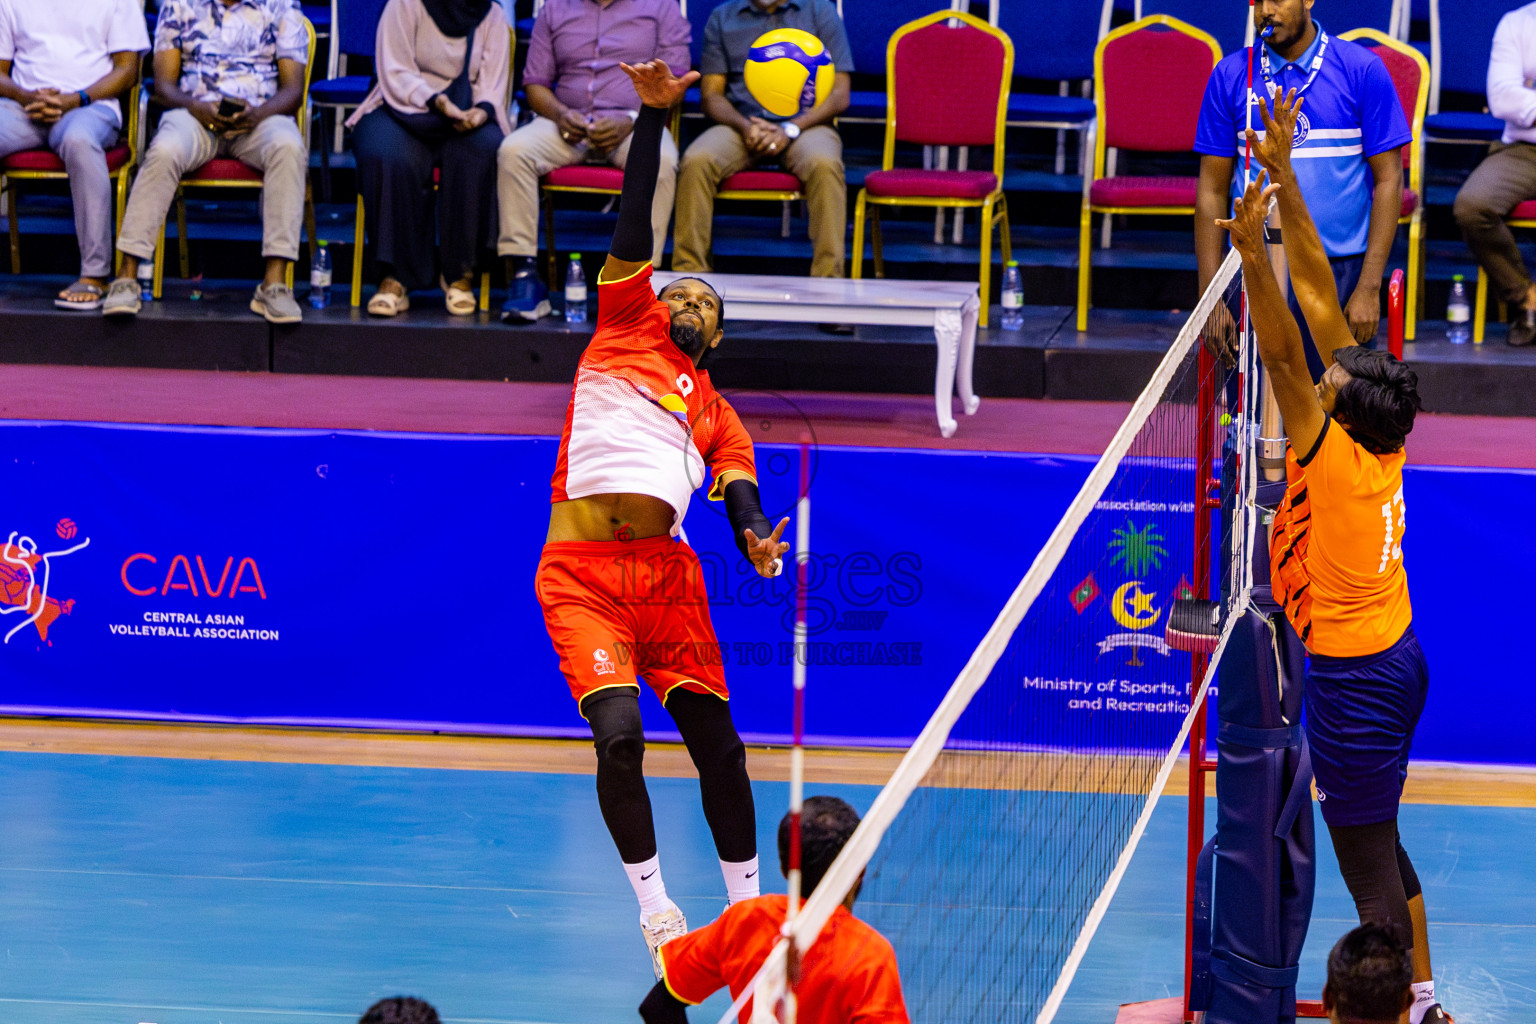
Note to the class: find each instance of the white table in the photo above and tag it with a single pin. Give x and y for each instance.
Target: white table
(949, 307)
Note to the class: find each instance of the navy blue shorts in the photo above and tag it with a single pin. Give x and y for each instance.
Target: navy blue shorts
(1360, 717)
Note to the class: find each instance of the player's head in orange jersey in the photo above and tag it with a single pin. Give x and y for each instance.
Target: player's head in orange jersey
(698, 315)
(826, 825)
(1368, 978)
(1372, 395)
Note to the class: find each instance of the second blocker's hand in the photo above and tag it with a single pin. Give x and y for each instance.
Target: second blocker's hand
(1273, 151)
(1249, 213)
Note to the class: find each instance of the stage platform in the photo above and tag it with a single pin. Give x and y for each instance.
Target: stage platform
(1047, 359)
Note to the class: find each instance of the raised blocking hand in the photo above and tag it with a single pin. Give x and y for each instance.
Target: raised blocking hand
(1249, 212)
(1279, 115)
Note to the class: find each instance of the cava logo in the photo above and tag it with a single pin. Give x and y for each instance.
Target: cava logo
(144, 580)
(25, 576)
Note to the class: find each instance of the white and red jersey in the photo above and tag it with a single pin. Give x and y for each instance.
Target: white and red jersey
(643, 419)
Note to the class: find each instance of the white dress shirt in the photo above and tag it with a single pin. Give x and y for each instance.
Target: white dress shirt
(1511, 72)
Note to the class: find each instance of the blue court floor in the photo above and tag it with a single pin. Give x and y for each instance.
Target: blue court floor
(195, 892)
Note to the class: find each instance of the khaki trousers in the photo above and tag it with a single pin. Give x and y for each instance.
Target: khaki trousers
(536, 149)
(1495, 187)
(181, 145)
(816, 158)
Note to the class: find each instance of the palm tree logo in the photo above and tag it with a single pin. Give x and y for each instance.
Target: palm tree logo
(1135, 550)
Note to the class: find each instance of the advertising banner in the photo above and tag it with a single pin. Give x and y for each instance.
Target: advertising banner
(386, 580)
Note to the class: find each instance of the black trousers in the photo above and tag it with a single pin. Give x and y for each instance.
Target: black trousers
(404, 217)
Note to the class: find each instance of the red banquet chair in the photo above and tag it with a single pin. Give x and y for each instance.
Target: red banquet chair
(591, 179)
(45, 165)
(945, 87)
(229, 173)
(1149, 80)
(1410, 77)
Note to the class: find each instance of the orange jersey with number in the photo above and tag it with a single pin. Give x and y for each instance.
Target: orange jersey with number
(1336, 554)
(848, 976)
(642, 418)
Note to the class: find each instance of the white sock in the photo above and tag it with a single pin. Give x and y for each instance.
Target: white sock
(741, 880)
(1423, 999)
(650, 890)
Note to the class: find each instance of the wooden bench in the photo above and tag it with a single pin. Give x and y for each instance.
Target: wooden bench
(949, 307)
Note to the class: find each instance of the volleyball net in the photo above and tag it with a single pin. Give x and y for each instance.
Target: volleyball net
(992, 854)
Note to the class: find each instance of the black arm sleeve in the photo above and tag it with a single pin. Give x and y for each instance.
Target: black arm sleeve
(661, 1007)
(633, 239)
(744, 507)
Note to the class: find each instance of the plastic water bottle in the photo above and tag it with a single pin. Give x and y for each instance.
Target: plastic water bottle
(320, 277)
(1013, 297)
(575, 291)
(146, 276)
(1458, 314)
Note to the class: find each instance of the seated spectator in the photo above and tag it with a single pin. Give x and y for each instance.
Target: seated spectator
(745, 134)
(1507, 177)
(440, 105)
(849, 974)
(1368, 978)
(63, 68)
(232, 76)
(400, 1010)
(586, 109)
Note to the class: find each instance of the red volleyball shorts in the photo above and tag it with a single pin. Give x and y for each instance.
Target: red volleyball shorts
(618, 611)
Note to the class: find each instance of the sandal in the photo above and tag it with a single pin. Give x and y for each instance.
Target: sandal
(461, 301)
(388, 303)
(81, 287)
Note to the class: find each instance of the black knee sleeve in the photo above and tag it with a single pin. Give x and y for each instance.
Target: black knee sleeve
(1368, 860)
(704, 721)
(621, 794)
(1410, 877)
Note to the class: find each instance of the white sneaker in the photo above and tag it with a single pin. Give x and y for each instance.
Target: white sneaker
(661, 927)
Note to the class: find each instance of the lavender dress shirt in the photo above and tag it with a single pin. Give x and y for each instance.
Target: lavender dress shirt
(577, 46)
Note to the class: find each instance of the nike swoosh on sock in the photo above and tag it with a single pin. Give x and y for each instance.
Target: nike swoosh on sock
(645, 877)
(750, 874)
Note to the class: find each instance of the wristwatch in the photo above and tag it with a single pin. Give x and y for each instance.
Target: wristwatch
(85, 98)
(790, 130)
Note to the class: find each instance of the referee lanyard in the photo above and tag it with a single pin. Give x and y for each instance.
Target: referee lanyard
(1317, 65)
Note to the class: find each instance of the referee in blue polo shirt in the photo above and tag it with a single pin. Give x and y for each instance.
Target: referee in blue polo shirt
(1348, 152)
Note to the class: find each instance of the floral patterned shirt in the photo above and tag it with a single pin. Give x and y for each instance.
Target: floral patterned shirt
(232, 49)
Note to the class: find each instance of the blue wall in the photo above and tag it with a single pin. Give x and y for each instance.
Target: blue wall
(395, 583)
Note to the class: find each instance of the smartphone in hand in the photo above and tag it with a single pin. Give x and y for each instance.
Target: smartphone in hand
(229, 106)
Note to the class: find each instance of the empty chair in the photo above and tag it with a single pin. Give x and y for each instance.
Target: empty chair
(1459, 46)
(1229, 23)
(1061, 40)
(1149, 84)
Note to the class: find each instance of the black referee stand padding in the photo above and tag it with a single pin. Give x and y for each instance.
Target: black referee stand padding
(1254, 879)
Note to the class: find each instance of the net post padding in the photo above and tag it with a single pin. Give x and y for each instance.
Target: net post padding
(920, 757)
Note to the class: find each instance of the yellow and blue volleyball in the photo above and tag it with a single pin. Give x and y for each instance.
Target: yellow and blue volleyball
(788, 71)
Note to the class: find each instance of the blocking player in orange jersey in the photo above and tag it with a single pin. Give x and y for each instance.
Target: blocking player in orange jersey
(623, 596)
(847, 976)
(1336, 555)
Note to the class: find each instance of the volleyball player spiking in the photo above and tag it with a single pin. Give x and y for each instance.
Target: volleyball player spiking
(623, 597)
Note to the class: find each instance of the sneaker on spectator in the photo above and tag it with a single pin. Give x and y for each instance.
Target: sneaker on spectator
(277, 304)
(527, 298)
(123, 298)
